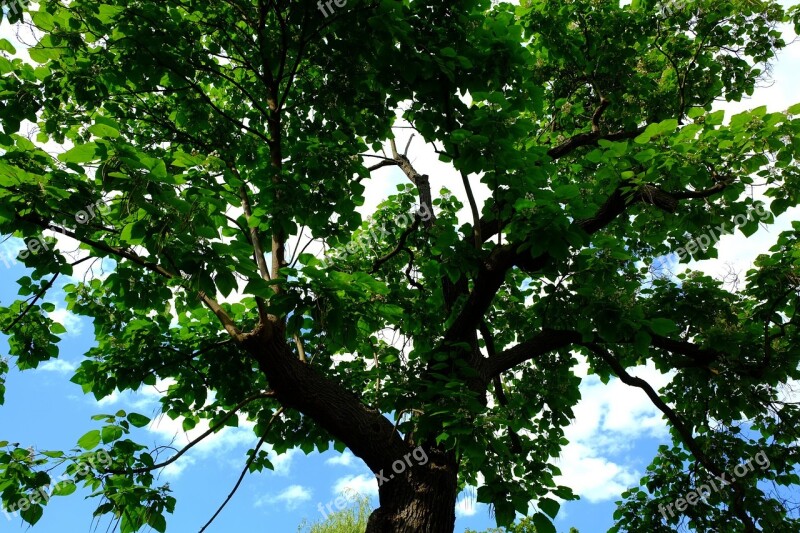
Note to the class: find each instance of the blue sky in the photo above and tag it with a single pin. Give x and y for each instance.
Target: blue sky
(44, 409)
(613, 439)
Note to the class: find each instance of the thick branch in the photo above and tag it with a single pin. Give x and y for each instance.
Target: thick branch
(701, 356)
(364, 430)
(542, 343)
(255, 238)
(590, 139)
(258, 250)
(419, 180)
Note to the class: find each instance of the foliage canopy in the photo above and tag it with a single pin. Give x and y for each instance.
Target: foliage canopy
(221, 135)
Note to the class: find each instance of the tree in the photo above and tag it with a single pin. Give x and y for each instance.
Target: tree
(207, 143)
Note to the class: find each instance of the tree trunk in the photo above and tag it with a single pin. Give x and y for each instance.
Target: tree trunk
(421, 499)
(417, 490)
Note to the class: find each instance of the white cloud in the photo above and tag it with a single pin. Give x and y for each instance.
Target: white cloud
(227, 445)
(224, 440)
(174, 470)
(216, 445)
(9, 249)
(71, 322)
(59, 366)
(282, 463)
(592, 477)
(111, 399)
(145, 399)
(362, 484)
(291, 497)
(608, 419)
(342, 459)
(466, 505)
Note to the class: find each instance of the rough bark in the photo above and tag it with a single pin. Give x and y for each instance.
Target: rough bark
(414, 497)
(420, 500)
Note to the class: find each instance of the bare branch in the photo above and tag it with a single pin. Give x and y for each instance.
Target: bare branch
(193, 443)
(301, 351)
(245, 469)
(590, 139)
(408, 145)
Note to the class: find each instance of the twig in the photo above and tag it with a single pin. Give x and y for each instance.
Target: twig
(301, 352)
(408, 145)
(246, 468)
(38, 296)
(212, 429)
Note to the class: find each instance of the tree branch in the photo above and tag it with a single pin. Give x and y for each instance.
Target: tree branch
(590, 139)
(502, 399)
(197, 440)
(684, 431)
(545, 341)
(133, 257)
(41, 293)
(245, 469)
(701, 356)
(400, 245)
(419, 180)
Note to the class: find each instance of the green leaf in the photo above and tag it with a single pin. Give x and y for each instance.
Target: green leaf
(64, 488)
(134, 233)
(103, 130)
(567, 192)
(90, 440)
(549, 506)
(543, 524)
(654, 130)
(157, 522)
(259, 287)
(662, 326)
(42, 55)
(51, 454)
(32, 514)
(138, 420)
(642, 342)
(226, 282)
(111, 433)
(6, 46)
(83, 153)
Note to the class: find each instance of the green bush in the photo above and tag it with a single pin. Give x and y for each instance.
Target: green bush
(352, 519)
